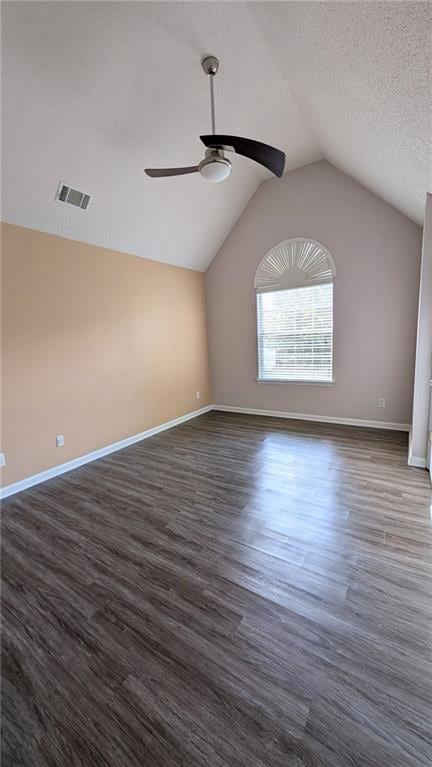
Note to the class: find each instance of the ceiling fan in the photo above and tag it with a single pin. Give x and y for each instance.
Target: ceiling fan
(215, 166)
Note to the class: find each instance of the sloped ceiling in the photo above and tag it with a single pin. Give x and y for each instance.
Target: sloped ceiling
(361, 73)
(93, 92)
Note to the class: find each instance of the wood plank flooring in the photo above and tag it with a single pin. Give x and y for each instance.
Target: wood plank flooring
(236, 591)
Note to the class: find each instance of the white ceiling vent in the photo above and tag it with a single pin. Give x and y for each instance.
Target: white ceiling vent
(72, 196)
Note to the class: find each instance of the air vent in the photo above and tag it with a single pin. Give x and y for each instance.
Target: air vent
(72, 196)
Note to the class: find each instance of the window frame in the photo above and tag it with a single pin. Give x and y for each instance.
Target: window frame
(295, 381)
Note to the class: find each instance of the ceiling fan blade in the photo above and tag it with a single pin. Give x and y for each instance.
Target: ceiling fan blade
(266, 155)
(161, 172)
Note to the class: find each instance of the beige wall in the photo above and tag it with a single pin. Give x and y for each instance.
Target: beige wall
(97, 345)
(377, 253)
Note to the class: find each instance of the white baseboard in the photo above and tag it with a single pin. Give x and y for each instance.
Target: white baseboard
(62, 468)
(319, 418)
(415, 460)
(420, 463)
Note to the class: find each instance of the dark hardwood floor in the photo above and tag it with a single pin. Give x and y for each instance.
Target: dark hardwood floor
(236, 591)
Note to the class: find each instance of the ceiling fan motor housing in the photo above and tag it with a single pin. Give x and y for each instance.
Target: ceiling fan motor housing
(215, 167)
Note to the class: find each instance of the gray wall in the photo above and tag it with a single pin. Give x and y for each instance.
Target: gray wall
(377, 253)
(422, 418)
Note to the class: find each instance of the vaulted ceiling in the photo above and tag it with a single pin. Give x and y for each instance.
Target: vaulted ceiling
(94, 92)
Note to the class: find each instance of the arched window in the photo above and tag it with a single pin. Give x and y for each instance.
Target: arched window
(294, 296)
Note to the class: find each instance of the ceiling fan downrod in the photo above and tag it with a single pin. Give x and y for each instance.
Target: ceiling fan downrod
(210, 65)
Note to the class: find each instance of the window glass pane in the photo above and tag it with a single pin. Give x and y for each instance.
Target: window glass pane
(295, 334)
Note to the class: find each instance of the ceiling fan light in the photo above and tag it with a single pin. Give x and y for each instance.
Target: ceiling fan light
(215, 169)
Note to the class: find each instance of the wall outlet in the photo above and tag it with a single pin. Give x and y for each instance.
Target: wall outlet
(2, 459)
(198, 395)
(381, 402)
(59, 440)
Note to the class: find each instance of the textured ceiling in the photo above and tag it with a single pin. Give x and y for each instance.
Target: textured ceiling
(361, 73)
(94, 92)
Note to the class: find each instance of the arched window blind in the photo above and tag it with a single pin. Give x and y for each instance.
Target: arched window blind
(294, 294)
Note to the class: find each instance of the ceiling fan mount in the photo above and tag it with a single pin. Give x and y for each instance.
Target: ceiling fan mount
(215, 166)
(210, 65)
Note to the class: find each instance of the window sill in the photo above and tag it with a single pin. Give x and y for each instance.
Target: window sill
(296, 381)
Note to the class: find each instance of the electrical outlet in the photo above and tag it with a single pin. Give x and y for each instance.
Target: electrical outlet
(381, 402)
(2, 459)
(59, 440)
(198, 395)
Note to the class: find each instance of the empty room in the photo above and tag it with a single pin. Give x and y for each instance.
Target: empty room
(216, 347)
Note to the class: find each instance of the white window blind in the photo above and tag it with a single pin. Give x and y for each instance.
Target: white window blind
(295, 334)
